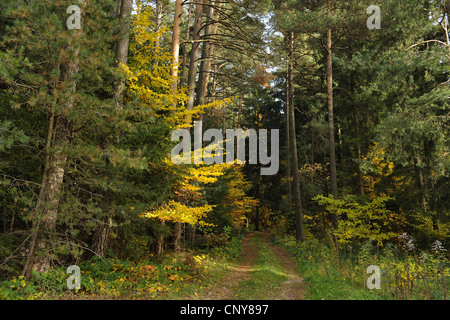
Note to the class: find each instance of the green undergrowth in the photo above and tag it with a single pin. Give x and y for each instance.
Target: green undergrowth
(324, 281)
(332, 275)
(173, 276)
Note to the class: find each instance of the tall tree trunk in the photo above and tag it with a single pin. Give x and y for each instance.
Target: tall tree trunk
(358, 154)
(185, 52)
(333, 173)
(293, 148)
(175, 53)
(313, 144)
(257, 205)
(288, 138)
(446, 21)
(193, 63)
(224, 112)
(158, 20)
(124, 9)
(214, 79)
(239, 111)
(191, 85)
(207, 55)
(175, 47)
(359, 176)
(421, 180)
(177, 236)
(191, 234)
(202, 86)
(160, 241)
(258, 176)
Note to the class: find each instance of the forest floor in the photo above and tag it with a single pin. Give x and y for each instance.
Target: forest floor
(257, 270)
(263, 272)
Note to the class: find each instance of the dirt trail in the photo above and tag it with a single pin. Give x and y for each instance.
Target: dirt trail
(292, 289)
(225, 289)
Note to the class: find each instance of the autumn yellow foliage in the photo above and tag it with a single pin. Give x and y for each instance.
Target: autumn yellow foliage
(175, 211)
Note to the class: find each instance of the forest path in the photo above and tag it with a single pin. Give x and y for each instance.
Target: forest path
(264, 272)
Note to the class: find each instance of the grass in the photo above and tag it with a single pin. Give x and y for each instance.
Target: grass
(331, 278)
(325, 282)
(323, 287)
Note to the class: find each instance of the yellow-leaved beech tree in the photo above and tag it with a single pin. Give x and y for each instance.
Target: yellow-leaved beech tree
(149, 75)
(241, 204)
(150, 80)
(189, 205)
(149, 70)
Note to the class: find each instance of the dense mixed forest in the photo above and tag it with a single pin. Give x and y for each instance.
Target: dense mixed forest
(347, 102)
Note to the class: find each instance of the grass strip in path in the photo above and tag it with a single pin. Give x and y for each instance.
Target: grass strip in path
(267, 274)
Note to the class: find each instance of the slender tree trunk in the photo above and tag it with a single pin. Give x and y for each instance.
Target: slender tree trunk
(239, 111)
(214, 79)
(175, 53)
(11, 226)
(158, 20)
(193, 63)
(207, 56)
(216, 68)
(257, 205)
(185, 53)
(160, 242)
(358, 154)
(288, 138)
(293, 146)
(359, 176)
(202, 87)
(339, 147)
(258, 176)
(421, 180)
(175, 47)
(313, 144)
(177, 236)
(224, 113)
(175, 50)
(191, 85)
(333, 173)
(191, 234)
(446, 12)
(36, 222)
(124, 9)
